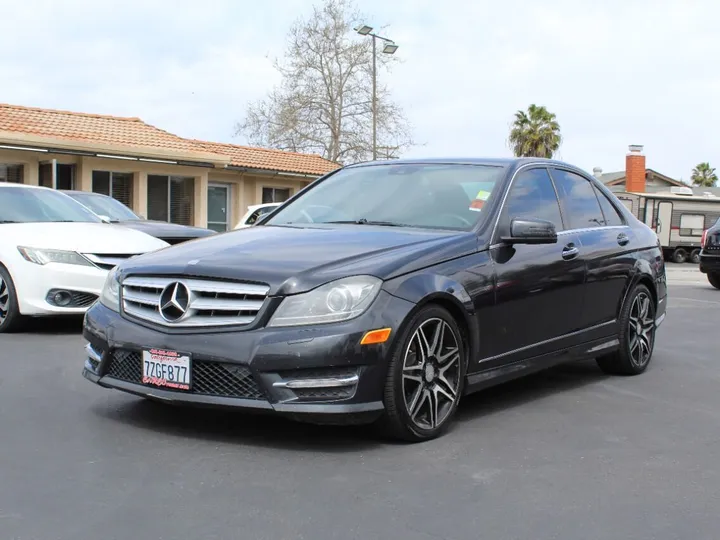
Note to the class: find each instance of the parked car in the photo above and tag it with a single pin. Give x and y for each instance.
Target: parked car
(55, 254)
(114, 211)
(255, 212)
(386, 291)
(710, 254)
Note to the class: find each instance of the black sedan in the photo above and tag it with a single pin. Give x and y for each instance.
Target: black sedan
(710, 254)
(114, 211)
(384, 292)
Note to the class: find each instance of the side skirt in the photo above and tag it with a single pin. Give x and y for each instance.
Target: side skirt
(492, 377)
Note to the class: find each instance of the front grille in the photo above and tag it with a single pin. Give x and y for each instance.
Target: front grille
(208, 378)
(207, 302)
(107, 261)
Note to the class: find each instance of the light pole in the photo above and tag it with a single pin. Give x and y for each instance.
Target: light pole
(389, 47)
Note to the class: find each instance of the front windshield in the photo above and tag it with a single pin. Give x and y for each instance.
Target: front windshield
(106, 206)
(29, 205)
(442, 196)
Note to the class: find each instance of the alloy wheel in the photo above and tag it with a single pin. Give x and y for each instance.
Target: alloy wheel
(4, 300)
(642, 329)
(431, 374)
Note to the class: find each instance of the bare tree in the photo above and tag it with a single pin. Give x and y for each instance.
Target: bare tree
(324, 102)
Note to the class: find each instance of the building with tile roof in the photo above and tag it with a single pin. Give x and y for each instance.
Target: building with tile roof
(157, 174)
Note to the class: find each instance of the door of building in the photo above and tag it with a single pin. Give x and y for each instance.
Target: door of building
(218, 207)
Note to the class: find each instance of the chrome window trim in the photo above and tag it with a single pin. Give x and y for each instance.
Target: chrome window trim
(540, 164)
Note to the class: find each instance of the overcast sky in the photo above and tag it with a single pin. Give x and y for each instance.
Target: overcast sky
(616, 72)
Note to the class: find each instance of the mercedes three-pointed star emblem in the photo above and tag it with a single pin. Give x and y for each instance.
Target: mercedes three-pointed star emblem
(174, 301)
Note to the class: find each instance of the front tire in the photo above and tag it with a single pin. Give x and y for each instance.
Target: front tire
(10, 318)
(425, 377)
(637, 336)
(714, 279)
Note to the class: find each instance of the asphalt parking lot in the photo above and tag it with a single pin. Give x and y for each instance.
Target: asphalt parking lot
(567, 454)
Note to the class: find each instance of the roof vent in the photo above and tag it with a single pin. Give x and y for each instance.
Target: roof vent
(676, 190)
(597, 172)
(635, 148)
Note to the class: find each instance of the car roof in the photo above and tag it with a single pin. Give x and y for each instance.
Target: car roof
(24, 186)
(496, 162)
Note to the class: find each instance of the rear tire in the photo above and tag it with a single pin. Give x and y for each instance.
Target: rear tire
(695, 256)
(637, 336)
(679, 256)
(10, 318)
(714, 279)
(425, 377)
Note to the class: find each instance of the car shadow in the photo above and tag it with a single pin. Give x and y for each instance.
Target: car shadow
(54, 325)
(268, 431)
(525, 390)
(236, 427)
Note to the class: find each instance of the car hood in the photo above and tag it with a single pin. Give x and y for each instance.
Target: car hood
(162, 229)
(100, 238)
(295, 259)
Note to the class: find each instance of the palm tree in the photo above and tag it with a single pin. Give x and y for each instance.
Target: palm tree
(535, 133)
(703, 175)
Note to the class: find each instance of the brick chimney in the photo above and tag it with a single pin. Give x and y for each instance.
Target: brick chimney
(635, 169)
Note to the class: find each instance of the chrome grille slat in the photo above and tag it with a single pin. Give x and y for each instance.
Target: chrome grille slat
(107, 262)
(211, 303)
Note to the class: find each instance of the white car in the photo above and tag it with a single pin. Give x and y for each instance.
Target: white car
(254, 212)
(55, 254)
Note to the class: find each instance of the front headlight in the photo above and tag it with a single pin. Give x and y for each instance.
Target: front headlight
(339, 300)
(45, 256)
(110, 295)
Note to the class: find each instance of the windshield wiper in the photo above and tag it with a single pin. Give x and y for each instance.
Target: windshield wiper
(364, 221)
(8, 221)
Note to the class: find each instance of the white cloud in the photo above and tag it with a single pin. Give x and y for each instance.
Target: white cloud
(615, 72)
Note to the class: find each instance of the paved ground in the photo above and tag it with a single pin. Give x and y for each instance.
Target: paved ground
(569, 454)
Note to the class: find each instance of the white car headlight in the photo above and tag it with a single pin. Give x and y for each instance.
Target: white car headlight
(336, 301)
(110, 295)
(45, 256)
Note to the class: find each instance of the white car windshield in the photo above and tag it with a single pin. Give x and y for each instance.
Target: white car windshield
(28, 205)
(106, 206)
(435, 196)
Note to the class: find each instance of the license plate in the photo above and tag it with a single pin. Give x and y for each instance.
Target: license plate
(169, 369)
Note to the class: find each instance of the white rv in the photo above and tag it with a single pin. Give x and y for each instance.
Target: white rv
(677, 216)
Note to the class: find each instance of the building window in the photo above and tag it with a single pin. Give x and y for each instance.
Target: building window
(64, 175)
(271, 195)
(116, 185)
(11, 173)
(171, 198)
(692, 224)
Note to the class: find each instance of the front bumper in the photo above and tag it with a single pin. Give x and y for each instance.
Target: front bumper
(317, 373)
(33, 282)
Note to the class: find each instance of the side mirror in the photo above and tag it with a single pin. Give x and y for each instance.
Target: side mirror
(531, 231)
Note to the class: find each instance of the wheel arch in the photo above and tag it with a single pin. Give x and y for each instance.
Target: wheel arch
(642, 275)
(432, 289)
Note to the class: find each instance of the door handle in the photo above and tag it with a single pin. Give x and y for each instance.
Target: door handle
(570, 252)
(623, 239)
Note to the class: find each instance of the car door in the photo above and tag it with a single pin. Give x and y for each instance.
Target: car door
(539, 288)
(608, 246)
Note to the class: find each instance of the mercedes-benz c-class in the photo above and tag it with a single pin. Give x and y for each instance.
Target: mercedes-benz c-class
(384, 292)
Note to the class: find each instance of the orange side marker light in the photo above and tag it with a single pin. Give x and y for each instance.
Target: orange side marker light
(376, 336)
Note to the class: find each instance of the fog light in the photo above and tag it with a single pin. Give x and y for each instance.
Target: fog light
(62, 298)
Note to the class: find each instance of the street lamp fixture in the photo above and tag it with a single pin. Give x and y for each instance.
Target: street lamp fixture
(389, 47)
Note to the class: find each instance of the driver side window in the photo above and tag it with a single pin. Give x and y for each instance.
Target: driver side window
(532, 195)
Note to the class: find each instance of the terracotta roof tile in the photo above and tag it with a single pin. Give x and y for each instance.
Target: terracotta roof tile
(90, 128)
(270, 159)
(121, 132)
